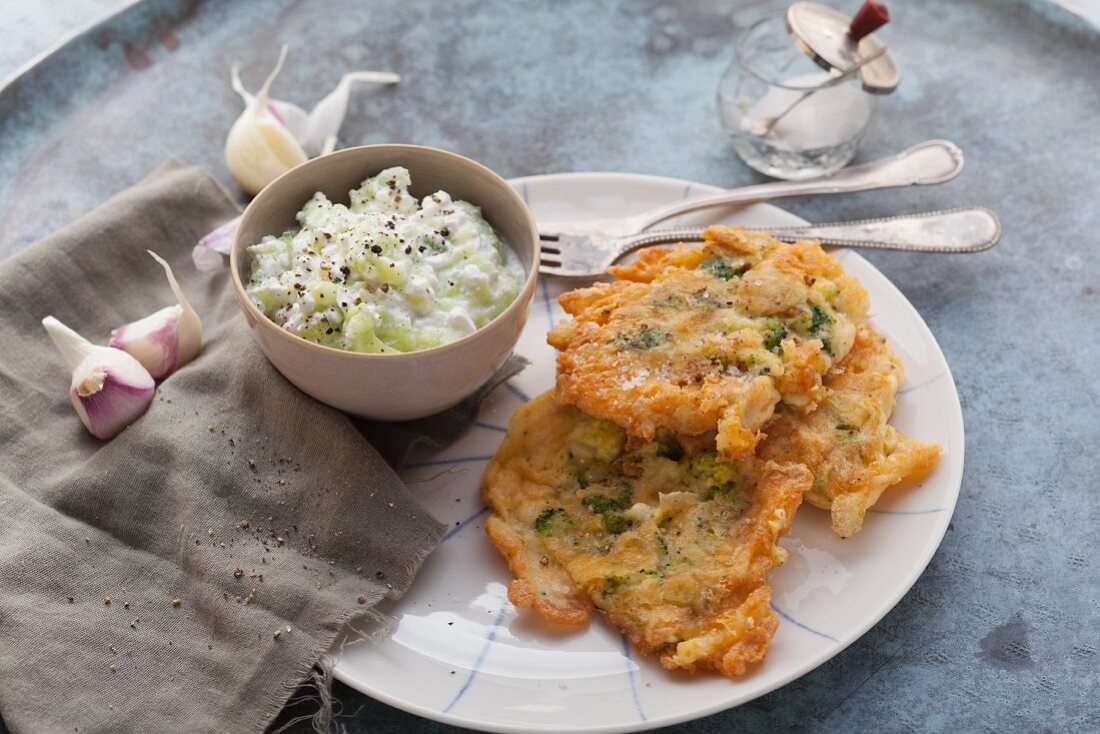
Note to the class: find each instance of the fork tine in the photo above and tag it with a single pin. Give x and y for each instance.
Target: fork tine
(548, 236)
(550, 250)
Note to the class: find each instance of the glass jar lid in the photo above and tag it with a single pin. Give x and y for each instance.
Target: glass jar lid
(839, 44)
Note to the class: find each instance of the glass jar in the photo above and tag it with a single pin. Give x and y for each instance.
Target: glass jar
(788, 117)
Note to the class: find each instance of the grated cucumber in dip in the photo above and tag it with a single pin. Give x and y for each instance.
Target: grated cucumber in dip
(385, 273)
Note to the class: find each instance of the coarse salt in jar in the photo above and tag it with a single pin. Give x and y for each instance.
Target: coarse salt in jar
(803, 87)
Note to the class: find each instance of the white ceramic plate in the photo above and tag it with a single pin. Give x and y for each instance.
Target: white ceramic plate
(462, 654)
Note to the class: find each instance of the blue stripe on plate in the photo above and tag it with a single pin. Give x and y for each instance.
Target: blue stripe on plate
(490, 427)
(933, 511)
(800, 625)
(516, 391)
(549, 304)
(631, 672)
(921, 386)
(542, 283)
(443, 462)
(504, 607)
(462, 525)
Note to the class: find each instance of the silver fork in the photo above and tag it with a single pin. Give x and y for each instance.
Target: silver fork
(930, 162)
(968, 229)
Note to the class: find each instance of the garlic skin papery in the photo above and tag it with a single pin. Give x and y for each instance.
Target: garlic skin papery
(110, 389)
(271, 136)
(207, 254)
(166, 340)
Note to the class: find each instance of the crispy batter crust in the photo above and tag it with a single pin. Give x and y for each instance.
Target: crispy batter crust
(711, 337)
(653, 484)
(518, 485)
(678, 563)
(847, 444)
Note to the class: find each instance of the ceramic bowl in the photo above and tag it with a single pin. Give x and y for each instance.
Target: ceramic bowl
(390, 387)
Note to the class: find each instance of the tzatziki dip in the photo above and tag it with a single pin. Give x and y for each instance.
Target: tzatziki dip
(385, 273)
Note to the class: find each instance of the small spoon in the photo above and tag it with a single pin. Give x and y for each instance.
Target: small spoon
(761, 127)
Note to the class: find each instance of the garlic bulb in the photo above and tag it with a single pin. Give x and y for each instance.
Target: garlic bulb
(165, 340)
(271, 136)
(110, 389)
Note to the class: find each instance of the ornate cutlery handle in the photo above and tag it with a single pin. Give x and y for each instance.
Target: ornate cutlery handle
(930, 162)
(969, 229)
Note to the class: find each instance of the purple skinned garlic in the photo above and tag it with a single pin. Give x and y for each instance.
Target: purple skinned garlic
(166, 340)
(110, 389)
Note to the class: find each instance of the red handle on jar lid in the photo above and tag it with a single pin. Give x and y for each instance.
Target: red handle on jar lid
(836, 42)
(872, 16)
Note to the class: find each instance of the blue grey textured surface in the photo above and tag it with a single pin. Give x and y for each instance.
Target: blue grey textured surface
(1001, 632)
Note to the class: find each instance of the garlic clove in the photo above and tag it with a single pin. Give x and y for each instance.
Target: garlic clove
(109, 389)
(272, 136)
(153, 341)
(260, 147)
(166, 340)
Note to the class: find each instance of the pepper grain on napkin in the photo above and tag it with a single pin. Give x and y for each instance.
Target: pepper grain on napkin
(266, 515)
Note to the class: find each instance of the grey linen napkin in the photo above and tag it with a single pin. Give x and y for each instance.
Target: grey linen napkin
(266, 515)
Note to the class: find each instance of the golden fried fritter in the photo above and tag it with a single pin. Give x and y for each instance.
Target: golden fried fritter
(707, 338)
(668, 543)
(847, 444)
